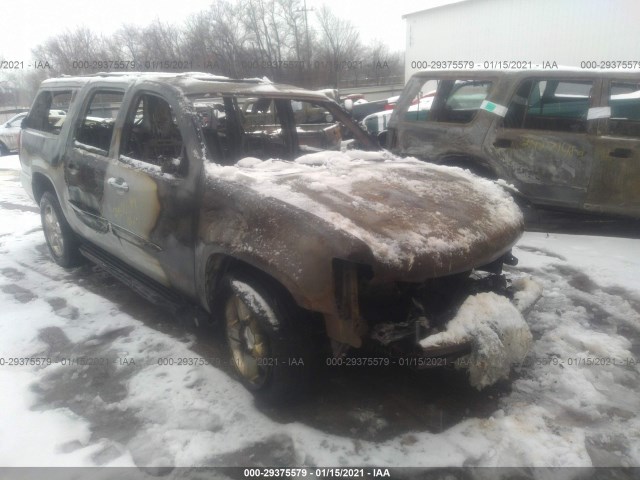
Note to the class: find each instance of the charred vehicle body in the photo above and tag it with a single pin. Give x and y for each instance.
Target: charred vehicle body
(566, 139)
(180, 188)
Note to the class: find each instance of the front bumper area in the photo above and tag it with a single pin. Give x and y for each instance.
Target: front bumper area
(486, 334)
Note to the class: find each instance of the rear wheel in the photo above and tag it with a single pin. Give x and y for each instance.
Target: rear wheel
(3, 149)
(62, 242)
(269, 351)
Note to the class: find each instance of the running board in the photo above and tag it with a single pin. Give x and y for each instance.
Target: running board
(149, 289)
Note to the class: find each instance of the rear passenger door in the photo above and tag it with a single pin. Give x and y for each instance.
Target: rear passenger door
(86, 160)
(150, 191)
(615, 183)
(443, 117)
(544, 143)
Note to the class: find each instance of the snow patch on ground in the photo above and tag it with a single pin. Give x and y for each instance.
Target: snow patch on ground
(609, 261)
(561, 409)
(10, 162)
(528, 291)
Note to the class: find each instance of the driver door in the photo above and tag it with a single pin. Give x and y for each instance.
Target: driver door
(150, 193)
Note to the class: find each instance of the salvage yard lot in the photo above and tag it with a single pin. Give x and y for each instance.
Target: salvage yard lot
(575, 401)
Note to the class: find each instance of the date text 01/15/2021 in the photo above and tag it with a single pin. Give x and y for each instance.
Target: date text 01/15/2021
(328, 472)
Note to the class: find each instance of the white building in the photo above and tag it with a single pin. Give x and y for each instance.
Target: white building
(567, 32)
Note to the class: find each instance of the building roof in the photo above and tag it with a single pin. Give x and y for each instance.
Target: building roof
(447, 4)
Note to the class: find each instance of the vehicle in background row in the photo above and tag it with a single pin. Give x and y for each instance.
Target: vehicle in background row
(567, 139)
(359, 108)
(9, 134)
(376, 122)
(206, 196)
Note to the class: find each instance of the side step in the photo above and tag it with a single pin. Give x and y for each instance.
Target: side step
(150, 289)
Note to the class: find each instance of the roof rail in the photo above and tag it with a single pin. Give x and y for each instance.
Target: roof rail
(203, 76)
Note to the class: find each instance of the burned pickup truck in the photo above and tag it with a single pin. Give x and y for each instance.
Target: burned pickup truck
(290, 247)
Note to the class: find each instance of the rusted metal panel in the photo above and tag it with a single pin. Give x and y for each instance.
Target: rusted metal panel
(406, 222)
(580, 167)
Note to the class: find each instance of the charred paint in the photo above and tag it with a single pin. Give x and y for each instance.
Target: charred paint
(169, 225)
(567, 162)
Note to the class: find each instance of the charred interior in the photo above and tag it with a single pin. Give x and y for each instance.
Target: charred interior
(235, 127)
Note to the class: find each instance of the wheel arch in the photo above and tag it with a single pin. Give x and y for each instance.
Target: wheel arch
(220, 264)
(40, 183)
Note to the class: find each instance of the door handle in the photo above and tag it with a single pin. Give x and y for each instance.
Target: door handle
(620, 153)
(119, 184)
(502, 143)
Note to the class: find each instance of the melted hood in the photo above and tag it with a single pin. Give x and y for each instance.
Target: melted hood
(417, 220)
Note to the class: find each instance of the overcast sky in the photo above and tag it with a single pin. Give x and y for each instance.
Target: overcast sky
(26, 23)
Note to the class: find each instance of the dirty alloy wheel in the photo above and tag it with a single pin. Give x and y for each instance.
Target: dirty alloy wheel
(62, 242)
(272, 358)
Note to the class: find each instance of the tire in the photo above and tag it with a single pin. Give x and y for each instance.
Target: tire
(3, 150)
(62, 242)
(269, 351)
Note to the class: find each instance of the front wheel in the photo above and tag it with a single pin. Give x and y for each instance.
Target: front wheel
(62, 242)
(269, 351)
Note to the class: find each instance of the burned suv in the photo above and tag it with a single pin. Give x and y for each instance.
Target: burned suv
(567, 139)
(241, 216)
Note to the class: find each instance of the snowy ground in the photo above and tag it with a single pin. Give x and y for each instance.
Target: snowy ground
(574, 402)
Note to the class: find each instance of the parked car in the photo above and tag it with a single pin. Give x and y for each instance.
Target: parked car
(566, 138)
(9, 134)
(361, 108)
(240, 221)
(377, 122)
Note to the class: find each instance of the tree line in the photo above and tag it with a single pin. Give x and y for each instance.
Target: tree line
(279, 39)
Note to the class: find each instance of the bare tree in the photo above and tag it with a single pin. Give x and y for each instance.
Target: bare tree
(340, 41)
(292, 14)
(216, 38)
(232, 37)
(260, 36)
(18, 88)
(381, 65)
(161, 42)
(74, 51)
(276, 36)
(129, 40)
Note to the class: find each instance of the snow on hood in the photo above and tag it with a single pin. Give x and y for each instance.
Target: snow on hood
(499, 335)
(405, 210)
